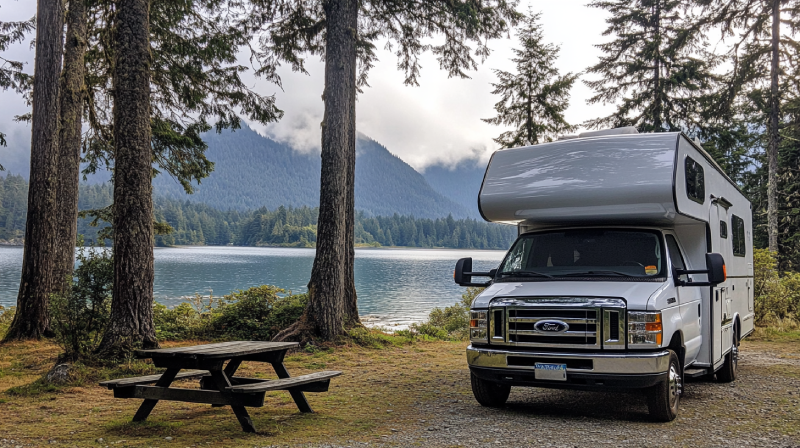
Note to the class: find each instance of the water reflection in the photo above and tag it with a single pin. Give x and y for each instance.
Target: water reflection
(395, 286)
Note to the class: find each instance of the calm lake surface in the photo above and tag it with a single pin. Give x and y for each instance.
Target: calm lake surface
(395, 286)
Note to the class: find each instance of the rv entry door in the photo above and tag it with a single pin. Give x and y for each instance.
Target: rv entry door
(720, 303)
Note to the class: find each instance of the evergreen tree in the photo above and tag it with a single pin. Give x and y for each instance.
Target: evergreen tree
(11, 75)
(32, 319)
(655, 68)
(535, 96)
(344, 32)
(764, 46)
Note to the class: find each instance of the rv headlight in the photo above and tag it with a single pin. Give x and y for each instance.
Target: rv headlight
(477, 326)
(645, 329)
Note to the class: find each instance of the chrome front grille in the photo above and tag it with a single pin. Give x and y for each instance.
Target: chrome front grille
(593, 323)
(525, 327)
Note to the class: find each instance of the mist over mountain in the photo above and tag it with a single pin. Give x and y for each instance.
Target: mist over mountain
(460, 183)
(252, 171)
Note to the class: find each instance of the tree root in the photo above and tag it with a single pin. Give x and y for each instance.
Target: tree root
(301, 331)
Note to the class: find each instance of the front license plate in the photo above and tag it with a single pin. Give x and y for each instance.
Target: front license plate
(552, 372)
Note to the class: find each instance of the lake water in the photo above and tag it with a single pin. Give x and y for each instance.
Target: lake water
(395, 286)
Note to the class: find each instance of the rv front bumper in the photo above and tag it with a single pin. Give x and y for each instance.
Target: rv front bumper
(584, 370)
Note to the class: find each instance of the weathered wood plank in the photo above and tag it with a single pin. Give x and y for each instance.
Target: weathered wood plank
(253, 399)
(285, 383)
(124, 382)
(218, 350)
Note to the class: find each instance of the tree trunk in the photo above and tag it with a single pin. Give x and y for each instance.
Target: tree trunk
(131, 322)
(31, 320)
(657, 68)
(329, 276)
(529, 112)
(772, 149)
(69, 142)
(350, 297)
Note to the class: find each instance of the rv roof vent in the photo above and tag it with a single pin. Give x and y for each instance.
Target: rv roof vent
(567, 137)
(615, 131)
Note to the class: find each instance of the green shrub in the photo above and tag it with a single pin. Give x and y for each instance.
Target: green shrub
(450, 323)
(79, 317)
(258, 313)
(776, 296)
(189, 320)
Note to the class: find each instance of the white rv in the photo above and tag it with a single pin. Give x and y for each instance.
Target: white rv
(633, 269)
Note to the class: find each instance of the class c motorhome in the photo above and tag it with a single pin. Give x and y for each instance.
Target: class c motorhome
(633, 269)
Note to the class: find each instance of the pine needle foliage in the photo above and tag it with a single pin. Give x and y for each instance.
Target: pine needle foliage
(11, 75)
(655, 69)
(534, 97)
(195, 76)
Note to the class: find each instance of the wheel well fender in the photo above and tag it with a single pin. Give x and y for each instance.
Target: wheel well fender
(676, 345)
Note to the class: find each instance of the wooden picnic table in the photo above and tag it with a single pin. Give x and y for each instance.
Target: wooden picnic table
(218, 384)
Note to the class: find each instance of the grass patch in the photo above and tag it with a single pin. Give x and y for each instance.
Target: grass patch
(775, 334)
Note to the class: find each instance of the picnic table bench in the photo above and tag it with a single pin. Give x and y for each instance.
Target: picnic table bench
(218, 384)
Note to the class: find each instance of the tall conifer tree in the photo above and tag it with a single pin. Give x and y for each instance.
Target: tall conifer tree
(764, 47)
(655, 68)
(11, 75)
(535, 96)
(344, 32)
(32, 319)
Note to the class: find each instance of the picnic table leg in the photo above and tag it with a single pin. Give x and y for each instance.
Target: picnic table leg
(298, 396)
(221, 380)
(230, 370)
(148, 404)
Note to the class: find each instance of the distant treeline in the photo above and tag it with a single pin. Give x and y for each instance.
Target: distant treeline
(199, 224)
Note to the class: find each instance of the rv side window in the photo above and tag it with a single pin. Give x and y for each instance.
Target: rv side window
(723, 229)
(738, 240)
(695, 181)
(675, 256)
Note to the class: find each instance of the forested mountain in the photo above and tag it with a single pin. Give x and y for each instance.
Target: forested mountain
(252, 171)
(461, 183)
(198, 224)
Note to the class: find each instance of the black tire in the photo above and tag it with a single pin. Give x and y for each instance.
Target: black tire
(489, 394)
(727, 373)
(663, 399)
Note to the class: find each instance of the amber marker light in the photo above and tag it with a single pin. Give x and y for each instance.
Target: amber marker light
(654, 326)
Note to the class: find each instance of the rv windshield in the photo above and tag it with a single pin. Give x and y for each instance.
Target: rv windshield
(585, 254)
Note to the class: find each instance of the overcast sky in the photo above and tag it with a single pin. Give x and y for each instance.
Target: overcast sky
(438, 122)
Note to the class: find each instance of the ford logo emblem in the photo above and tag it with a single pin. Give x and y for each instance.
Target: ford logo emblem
(551, 326)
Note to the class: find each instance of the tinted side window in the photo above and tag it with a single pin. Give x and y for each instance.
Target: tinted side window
(695, 181)
(675, 256)
(738, 240)
(723, 229)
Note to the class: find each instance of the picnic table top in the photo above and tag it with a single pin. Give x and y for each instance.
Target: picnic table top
(222, 350)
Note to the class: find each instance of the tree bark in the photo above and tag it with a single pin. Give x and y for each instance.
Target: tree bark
(657, 68)
(31, 320)
(328, 285)
(69, 144)
(350, 297)
(131, 322)
(772, 149)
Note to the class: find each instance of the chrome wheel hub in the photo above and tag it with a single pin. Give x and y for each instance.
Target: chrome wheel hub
(675, 385)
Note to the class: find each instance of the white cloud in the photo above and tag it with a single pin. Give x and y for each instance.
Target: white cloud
(438, 122)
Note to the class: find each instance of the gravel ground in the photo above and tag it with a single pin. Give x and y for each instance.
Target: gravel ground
(760, 409)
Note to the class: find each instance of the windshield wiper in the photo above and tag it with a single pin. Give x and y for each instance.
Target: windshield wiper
(526, 274)
(601, 273)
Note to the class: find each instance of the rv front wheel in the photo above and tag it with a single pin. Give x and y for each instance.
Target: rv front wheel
(663, 399)
(489, 394)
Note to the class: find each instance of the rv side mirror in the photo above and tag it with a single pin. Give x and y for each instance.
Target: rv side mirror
(716, 269)
(463, 271)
